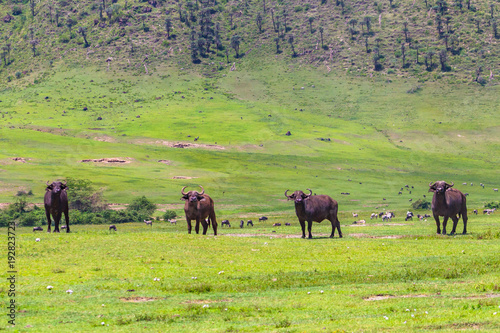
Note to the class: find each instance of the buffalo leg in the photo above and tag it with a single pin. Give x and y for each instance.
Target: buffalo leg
(445, 221)
(464, 219)
(338, 227)
(57, 218)
(189, 225)
(303, 226)
(67, 220)
(197, 226)
(214, 223)
(436, 217)
(309, 227)
(48, 221)
(455, 222)
(333, 228)
(204, 224)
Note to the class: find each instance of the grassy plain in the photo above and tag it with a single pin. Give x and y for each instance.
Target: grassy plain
(395, 276)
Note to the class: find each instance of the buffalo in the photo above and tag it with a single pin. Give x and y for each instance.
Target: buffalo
(315, 208)
(37, 229)
(198, 207)
(112, 227)
(150, 223)
(56, 203)
(449, 203)
(225, 222)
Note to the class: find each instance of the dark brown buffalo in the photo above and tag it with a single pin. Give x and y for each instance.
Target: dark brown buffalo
(315, 208)
(449, 203)
(198, 207)
(56, 203)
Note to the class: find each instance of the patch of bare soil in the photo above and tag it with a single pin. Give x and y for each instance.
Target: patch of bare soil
(167, 162)
(117, 206)
(112, 160)
(183, 177)
(19, 159)
(206, 301)
(104, 138)
(382, 297)
(377, 237)
(138, 299)
(479, 296)
(188, 145)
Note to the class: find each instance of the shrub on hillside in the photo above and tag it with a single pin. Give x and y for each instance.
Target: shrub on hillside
(142, 205)
(492, 204)
(169, 214)
(83, 196)
(421, 204)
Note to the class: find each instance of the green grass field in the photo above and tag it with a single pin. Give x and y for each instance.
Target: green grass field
(366, 136)
(395, 276)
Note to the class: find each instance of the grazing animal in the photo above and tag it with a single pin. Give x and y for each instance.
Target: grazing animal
(448, 202)
(112, 227)
(263, 218)
(399, 193)
(173, 221)
(277, 225)
(489, 211)
(315, 208)
(354, 214)
(37, 229)
(150, 223)
(225, 222)
(495, 189)
(359, 222)
(242, 224)
(374, 215)
(198, 207)
(409, 216)
(287, 224)
(475, 211)
(56, 203)
(249, 222)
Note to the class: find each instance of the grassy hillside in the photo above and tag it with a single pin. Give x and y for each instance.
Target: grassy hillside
(332, 35)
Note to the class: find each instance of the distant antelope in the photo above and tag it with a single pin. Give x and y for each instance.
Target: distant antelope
(148, 222)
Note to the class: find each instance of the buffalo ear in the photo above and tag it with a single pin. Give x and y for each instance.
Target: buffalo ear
(200, 197)
(291, 197)
(432, 189)
(49, 188)
(184, 197)
(63, 187)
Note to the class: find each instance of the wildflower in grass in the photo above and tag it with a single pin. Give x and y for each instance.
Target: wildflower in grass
(407, 309)
(102, 323)
(385, 317)
(221, 272)
(321, 291)
(494, 313)
(206, 306)
(156, 279)
(69, 291)
(103, 305)
(308, 292)
(37, 240)
(412, 315)
(49, 287)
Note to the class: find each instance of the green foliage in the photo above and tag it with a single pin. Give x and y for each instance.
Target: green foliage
(492, 204)
(142, 205)
(421, 204)
(83, 196)
(169, 214)
(18, 75)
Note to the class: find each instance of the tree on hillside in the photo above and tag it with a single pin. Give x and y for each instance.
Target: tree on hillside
(83, 31)
(34, 43)
(321, 34)
(403, 54)
(442, 6)
(168, 26)
(194, 52)
(142, 204)
(272, 18)
(439, 24)
(258, 20)
(378, 40)
(353, 23)
(478, 22)
(459, 4)
(366, 44)
(264, 4)
(445, 39)
(414, 45)
(443, 57)
(83, 196)
(405, 30)
(70, 23)
(32, 6)
(50, 6)
(4, 55)
(494, 27)
(447, 20)
(235, 44)
(429, 56)
(368, 23)
(311, 20)
(277, 41)
(290, 41)
(285, 16)
(492, 8)
(58, 14)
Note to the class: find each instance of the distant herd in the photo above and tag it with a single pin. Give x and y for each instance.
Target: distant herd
(447, 202)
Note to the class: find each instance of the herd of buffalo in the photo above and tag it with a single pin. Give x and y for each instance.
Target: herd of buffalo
(447, 202)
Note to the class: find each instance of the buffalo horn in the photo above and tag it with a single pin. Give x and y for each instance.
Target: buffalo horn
(311, 192)
(182, 191)
(286, 195)
(65, 183)
(202, 190)
(452, 183)
(431, 184)
(48, 183)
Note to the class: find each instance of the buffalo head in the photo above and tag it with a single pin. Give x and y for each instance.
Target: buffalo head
(56, 187)
(192, 196)
(440, 186)
(298, 196)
